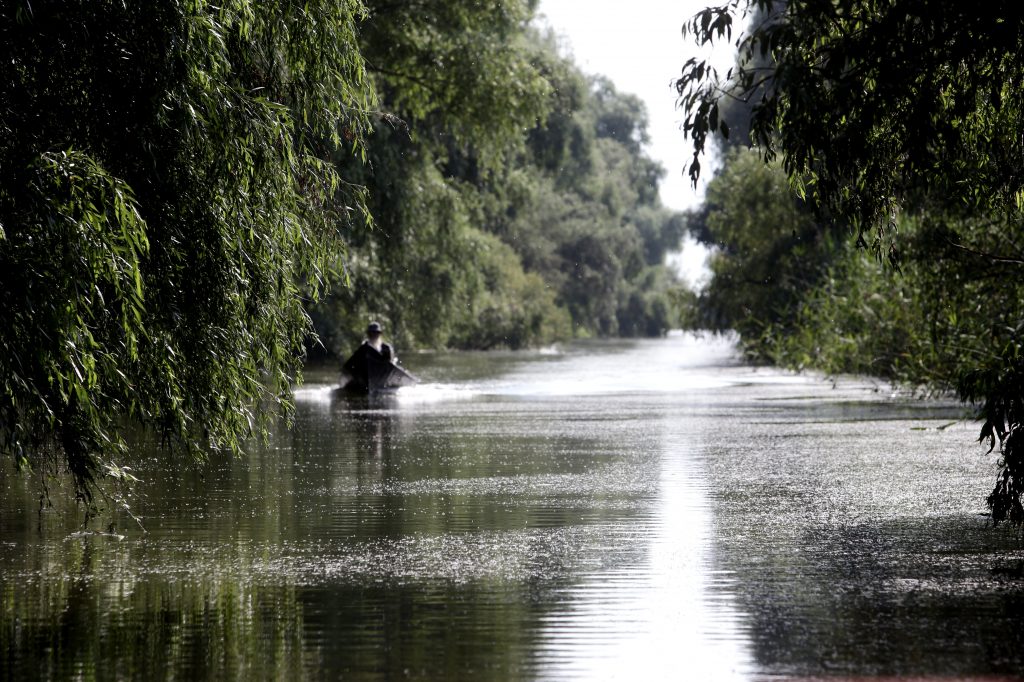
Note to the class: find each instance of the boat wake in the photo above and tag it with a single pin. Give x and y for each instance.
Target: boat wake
(325, 394)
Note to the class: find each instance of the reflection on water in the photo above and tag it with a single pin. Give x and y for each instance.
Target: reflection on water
(667, 616)
(615, 510)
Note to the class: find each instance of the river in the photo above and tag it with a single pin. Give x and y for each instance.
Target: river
(631, 510)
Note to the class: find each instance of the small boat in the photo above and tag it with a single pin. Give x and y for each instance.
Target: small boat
(368, 371)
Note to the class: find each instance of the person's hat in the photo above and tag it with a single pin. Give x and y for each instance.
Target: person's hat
(374, 328)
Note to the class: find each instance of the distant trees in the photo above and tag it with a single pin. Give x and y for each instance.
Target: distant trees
(460, 86)
(513, 202)
(897, 120)
(767, 251)
(591, 224)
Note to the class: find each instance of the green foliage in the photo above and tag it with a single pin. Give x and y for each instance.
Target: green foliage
(591, 224)
(978, 299)
(896, 118)
(460, 86)
(925, 326)
(871, 102)
(180, 182)
(512, 308)
(558, 176)
(767, 251)
(561, 144)
(163, 190)
(862, 318)
(996, 385)
(646, 306)
(461, 75)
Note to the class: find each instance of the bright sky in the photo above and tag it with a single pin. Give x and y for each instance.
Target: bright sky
(639, 45)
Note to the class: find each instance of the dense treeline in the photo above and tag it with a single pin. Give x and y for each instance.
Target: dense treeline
(181, 184)
(514, 204)
(165, 201)
(898, 126)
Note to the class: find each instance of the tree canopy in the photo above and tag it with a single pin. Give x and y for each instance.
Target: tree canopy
(871, 103)
(505, 223)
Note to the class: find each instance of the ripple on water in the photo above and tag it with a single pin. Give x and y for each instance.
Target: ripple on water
(629, 510)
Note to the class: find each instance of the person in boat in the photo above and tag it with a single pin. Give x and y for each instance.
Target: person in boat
(374, 365)
(375, 339)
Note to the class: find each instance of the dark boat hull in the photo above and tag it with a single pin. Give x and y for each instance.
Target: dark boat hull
(368, 372)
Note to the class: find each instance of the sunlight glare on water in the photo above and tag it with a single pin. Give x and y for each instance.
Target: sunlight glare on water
(689, 364)
(640, 623)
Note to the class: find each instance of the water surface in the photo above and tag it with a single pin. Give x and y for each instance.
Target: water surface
(611, 510)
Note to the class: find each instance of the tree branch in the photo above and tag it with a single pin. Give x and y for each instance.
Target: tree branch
(992, 257)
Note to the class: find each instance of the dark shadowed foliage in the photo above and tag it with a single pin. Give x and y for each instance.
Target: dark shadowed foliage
(164, 190)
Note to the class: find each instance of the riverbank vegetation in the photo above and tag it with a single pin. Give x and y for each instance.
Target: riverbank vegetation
(513, 202)
(899, 251)
(189, 191)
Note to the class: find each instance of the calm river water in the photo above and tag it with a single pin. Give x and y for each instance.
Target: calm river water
(641, 510)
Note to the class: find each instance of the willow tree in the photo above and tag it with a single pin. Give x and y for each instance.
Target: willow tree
(166, 200)
(461, 84)
(879, 108)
